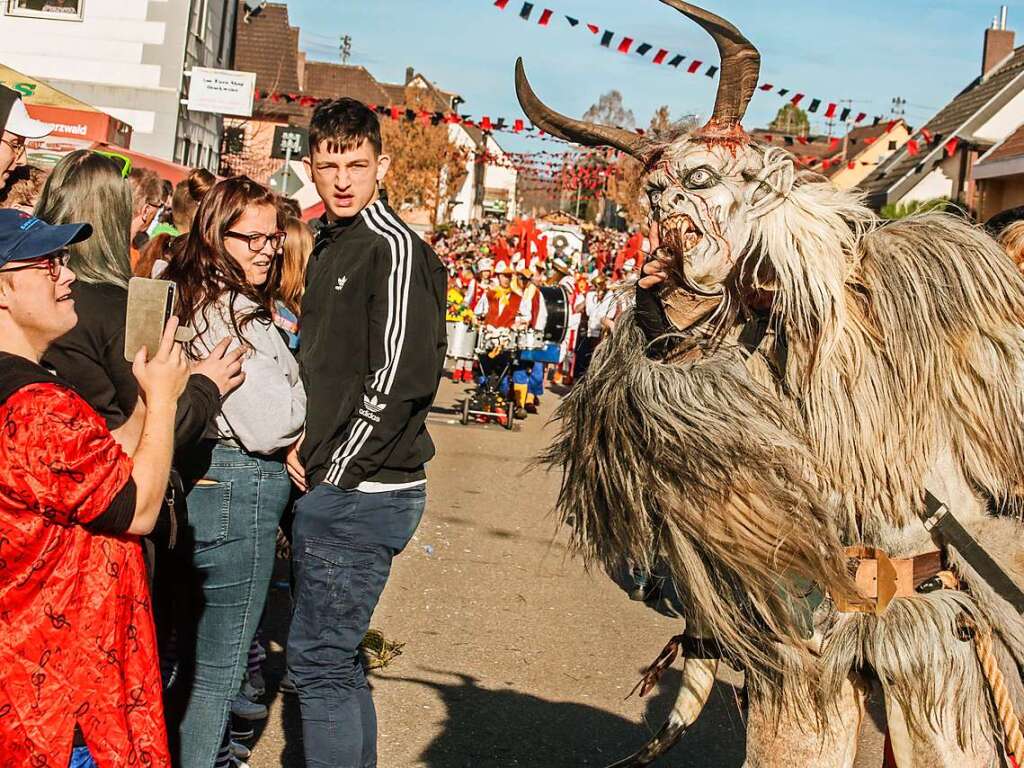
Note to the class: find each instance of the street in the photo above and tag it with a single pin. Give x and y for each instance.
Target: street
(514, 655)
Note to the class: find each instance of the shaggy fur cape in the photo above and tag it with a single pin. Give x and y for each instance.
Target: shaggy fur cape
(905, 346)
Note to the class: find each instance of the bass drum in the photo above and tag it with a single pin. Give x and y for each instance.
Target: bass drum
(556, 299)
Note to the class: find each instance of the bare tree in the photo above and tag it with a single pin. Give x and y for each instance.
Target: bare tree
(610, 110)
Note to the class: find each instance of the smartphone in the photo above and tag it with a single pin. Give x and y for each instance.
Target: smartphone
(150, 305)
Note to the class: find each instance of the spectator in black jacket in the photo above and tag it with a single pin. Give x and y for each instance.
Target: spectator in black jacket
(373, 342)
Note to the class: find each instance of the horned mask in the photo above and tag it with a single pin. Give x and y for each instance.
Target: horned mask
(706, 189)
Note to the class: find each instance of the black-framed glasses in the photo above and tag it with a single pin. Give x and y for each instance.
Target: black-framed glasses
(257, 241)
(53, 264)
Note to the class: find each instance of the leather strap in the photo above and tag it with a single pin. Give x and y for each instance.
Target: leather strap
(880, 579)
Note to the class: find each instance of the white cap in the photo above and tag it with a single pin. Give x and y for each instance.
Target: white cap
(485, 265)
(20, 124)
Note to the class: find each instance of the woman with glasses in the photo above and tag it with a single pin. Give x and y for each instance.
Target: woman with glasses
(228, 275)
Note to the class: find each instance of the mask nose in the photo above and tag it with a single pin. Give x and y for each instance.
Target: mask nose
(672, 199)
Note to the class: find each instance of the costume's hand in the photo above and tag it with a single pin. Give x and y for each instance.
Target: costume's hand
(223, 368)
(296, 471)
(653, 272)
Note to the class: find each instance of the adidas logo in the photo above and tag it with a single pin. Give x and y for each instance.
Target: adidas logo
(341, 283)
(371, 409)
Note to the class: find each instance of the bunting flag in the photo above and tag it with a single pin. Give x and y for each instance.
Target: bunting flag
(626, 44)
(951, 146)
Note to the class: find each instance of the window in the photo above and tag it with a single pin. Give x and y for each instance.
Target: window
(199, 20)
(63, 10)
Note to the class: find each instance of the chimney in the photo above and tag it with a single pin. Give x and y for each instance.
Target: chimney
(998, 44)
(410, 73)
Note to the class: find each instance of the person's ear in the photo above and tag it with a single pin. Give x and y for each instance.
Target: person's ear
(383, 165)
(6, 287)
(307, 163)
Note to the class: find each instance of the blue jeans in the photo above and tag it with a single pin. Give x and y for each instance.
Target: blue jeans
(234, 524)
(80, 758)
(342, 549)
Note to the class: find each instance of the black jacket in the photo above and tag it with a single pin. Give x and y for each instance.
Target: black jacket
(373, 344)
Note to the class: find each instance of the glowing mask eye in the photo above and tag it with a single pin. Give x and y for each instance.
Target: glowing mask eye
(655, 196)
(700, 178)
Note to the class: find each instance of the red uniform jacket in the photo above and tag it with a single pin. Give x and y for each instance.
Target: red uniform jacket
(76, 633)
(502, 318)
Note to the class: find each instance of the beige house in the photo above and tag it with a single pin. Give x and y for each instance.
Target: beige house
(864, 149)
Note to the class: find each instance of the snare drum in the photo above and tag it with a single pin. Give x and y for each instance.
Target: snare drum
(529, 339)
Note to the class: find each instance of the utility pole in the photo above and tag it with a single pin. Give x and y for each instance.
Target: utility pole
(346, 48)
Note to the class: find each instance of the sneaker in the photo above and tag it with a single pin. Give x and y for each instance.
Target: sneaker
(287, 686)
(531, 407)
(254, 687)
(235, 762)
(247, 710)
(239, 751)
(520, 413)
(241, 730)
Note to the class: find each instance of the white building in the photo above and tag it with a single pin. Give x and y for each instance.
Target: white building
(128, 58)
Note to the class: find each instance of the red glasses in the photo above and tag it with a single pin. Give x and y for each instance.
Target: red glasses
(53, 264)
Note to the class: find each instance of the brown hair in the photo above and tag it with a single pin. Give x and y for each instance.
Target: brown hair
(24, 187)
(163, 246)
(146, 187)
(1012, 241)
(297, 246)
(187, 196)
(204, 270)
(344, 124)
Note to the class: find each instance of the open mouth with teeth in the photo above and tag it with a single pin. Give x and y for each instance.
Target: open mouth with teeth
(679, 234)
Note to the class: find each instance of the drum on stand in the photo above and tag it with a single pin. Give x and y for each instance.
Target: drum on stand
(461, 341)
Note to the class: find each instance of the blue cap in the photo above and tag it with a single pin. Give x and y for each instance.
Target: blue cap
(24, 237)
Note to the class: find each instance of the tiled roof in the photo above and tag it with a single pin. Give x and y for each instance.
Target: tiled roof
(816, 149)
(952, 120)
(268, 45)
(331, 81)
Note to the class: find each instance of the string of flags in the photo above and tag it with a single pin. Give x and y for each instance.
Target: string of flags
(920, 141)
(664, 57)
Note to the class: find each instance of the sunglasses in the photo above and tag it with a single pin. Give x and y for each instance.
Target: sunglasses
(124, 164)
(258, 241)
(53, 264)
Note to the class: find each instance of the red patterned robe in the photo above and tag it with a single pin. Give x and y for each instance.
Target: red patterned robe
(76, 631)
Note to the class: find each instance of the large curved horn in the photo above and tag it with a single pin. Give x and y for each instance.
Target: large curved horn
(741, 64)
(695, 687)
(579, 131)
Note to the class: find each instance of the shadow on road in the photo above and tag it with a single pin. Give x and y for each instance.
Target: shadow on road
(501, 728)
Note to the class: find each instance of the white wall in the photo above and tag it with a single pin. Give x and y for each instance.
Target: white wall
(1007, 119)
(125, 57)
(937, 183)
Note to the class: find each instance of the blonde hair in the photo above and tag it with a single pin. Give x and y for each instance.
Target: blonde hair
(87, 187)
(1012, 241)
(297, 246)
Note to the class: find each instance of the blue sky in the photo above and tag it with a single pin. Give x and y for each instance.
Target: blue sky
(869, 51)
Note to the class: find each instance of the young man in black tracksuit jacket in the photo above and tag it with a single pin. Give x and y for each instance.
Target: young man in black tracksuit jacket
(373, 345)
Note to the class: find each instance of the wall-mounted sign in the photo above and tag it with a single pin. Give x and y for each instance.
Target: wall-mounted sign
(221, 91)
(62, 10)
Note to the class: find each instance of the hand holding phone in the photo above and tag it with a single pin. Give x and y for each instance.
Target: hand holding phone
(150, 306)
(163, 373)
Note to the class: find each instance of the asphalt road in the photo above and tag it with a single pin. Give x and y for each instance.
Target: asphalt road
(514, 655)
